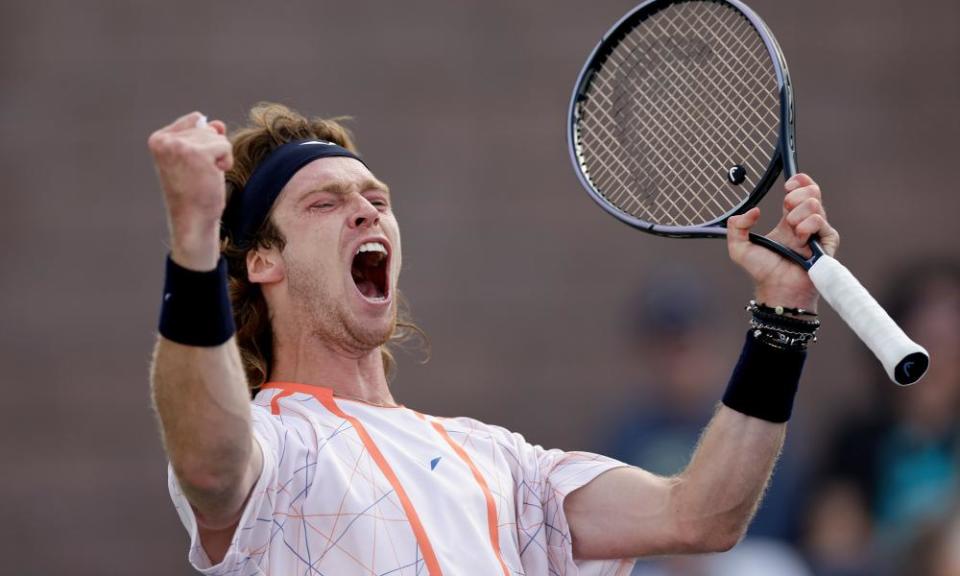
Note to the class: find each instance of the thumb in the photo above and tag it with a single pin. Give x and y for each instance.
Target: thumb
(738, 227)
(219, 126)
(738, 230)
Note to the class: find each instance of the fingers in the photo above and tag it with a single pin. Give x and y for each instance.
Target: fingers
(201, 141)
(804, 210)
(738, 232)
(218, 126)
(225, 160)
(799, 188)
(218, 148)
(798, 180)
(739, 226)
(185, 122)
(192, 123)
(804, 214)
(191, 138)
(817, 225)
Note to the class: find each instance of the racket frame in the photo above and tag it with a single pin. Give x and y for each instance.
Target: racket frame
(904, 360)
(783, 159)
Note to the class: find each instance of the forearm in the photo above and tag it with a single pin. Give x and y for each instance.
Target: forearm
(715, 497)
(721, 487)
(200, 391)
(204, 409)
(706, 508)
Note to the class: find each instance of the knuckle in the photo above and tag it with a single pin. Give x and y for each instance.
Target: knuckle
(155, 141)
(803, 179)
(176, 147)
(797, 197)
(813, 223)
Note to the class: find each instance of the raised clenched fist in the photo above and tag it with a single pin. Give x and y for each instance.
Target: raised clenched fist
(191, 157)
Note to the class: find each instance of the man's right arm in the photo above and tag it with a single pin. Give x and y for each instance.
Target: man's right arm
(200, 392)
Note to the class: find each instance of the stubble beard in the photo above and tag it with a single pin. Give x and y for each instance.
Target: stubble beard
(329, 318)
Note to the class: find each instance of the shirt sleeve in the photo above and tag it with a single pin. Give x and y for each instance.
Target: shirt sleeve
(250, 543)
(543, 479)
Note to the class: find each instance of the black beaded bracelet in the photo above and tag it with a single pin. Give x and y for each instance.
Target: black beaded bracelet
(765, 380)
(780, 337)
(754, 306)
(196, 306)
(774, 327)
(787, 321)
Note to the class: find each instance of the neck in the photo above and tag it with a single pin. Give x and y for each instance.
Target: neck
(311, 361)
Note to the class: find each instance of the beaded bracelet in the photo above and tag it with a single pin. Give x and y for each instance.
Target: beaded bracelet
(780, 337)
(754, 306)
(771, 326)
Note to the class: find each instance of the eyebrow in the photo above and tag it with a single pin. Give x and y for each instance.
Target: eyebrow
(341, 187)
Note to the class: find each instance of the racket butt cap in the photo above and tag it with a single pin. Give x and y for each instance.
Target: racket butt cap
(911, 369)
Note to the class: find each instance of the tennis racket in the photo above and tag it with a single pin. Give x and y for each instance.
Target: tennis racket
(683, 116)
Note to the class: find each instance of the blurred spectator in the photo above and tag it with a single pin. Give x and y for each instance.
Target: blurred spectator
(839, 530)
(672, 337)
(752, 557)
(683, 368)
(896, 470)
(935, 551)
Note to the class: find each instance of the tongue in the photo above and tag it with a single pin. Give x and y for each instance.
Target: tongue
(368, 288)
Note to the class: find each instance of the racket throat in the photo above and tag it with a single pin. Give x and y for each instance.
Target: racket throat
(815, 248)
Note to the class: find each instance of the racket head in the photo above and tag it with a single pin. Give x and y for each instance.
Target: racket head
(676, 95)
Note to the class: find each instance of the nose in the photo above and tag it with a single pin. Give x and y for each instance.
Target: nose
(364, 214)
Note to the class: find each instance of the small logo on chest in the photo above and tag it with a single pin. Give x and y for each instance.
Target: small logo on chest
(434, 462)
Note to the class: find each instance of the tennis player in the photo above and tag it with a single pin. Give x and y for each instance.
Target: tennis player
(282, 283)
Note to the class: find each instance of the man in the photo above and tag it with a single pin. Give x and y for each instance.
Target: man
(323, 473)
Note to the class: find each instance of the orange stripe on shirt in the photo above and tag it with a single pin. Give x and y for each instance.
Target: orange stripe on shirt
(325, 396)
(492, 520)
(275, 401)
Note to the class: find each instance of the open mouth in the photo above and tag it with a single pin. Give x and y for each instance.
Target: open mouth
(369, 270)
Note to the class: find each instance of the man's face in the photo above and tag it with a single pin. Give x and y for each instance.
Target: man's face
(342, 254)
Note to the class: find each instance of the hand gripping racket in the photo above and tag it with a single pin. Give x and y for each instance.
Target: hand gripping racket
(682, 117)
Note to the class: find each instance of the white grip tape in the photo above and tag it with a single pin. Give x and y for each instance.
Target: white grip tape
(862, 313)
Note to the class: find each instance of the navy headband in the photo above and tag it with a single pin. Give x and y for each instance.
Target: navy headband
(248, 208)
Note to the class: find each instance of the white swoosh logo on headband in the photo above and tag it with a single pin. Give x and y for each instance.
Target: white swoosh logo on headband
(322, 142)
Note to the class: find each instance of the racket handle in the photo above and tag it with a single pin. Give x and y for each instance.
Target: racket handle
(904, 360)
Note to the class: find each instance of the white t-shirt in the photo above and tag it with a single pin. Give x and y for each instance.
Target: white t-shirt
(351, 488)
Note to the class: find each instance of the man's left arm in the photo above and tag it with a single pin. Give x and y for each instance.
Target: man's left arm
(629, 512)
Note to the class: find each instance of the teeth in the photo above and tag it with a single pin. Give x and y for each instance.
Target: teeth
(372, 247)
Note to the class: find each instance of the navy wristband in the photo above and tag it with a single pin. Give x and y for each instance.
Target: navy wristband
(196, 306)
(765, 381)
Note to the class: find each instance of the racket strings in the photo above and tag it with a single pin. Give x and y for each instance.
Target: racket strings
(691, 122)
(684, 75)
(685, 95)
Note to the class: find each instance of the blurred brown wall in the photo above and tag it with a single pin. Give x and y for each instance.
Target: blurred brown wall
(518, 278)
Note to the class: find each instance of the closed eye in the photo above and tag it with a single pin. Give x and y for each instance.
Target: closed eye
(379, 201)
